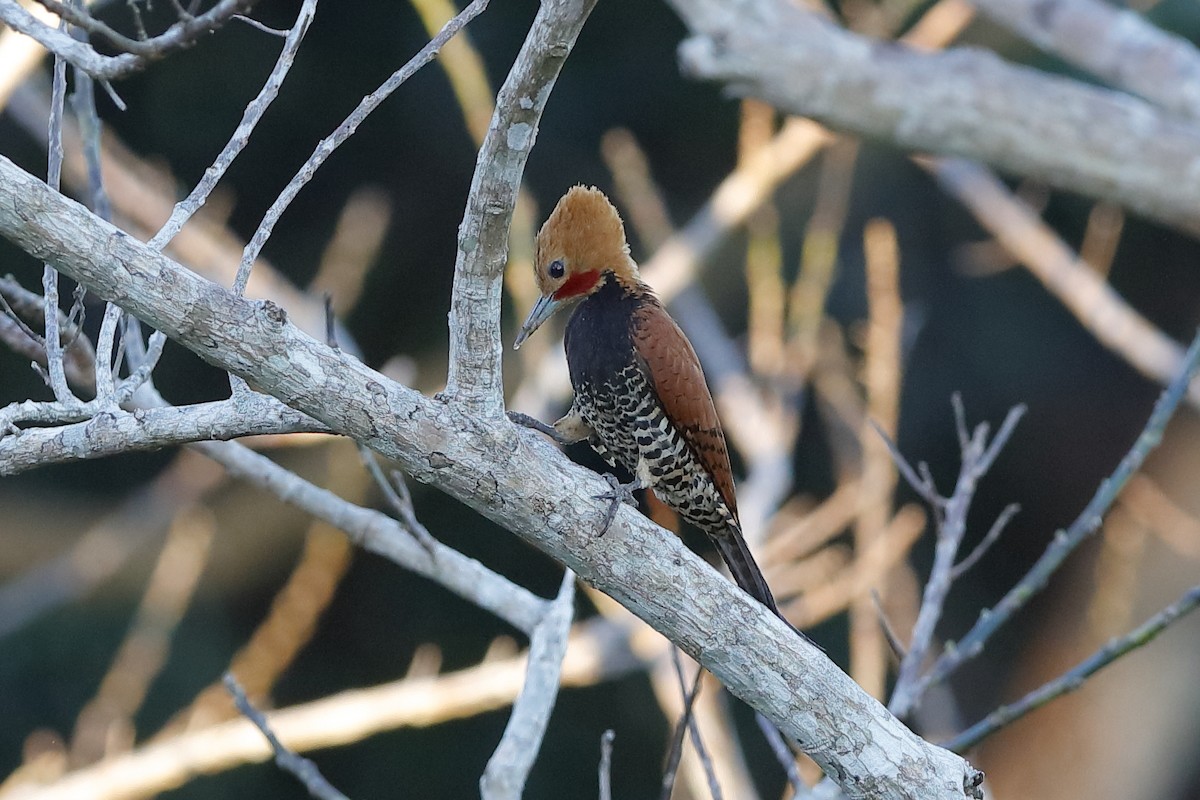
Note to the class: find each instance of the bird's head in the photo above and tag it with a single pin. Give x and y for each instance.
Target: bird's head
(580, 246)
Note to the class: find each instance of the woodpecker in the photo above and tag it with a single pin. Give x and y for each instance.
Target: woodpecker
(641, 400)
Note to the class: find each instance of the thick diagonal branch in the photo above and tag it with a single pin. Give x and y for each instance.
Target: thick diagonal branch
(515, 479)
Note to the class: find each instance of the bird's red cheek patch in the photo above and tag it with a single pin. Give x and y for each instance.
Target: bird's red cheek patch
(578, 284)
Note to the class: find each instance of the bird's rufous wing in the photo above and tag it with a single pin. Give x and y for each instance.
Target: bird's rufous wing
(675, 373)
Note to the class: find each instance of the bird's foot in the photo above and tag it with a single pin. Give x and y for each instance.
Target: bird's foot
(526, 421)
(618, 493)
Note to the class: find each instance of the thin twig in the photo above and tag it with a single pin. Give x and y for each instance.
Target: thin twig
(675, 748)
(889, 631)
(330, 323)
(253, 23)
(19, 323)
(54, 351)
(330, 143)
(992, 535)
(605, 768)
(784, 755)
(395, 491)
(180, 10)
(1075, 677)
(921, 484)
(186, 208)
(301, 768)
(138, 23)
(83, 101)
(693, 726)
(1065, 541)
(950, 515)
(182, 34)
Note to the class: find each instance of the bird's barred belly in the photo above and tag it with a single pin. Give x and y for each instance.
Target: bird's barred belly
(632, 430)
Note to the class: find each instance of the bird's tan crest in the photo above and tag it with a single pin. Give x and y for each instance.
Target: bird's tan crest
(585, 235)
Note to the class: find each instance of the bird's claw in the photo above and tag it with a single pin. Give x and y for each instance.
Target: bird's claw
(526, 421)
(618, 493)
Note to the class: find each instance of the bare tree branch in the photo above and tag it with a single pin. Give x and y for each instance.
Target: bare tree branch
(964, 102)
(184, 33)
(63, 44)
(55, 374)
(1075, 677)
(784, 755)
(475, 349)
(299, 767)
(139, 54)
(506, 475)
(507, 769)
(384, 536)
(986, 542)
(950, 514)
(22, 306)
(1064, 542)
(1098, 307)
(1118, 45)
(395, 491)
(113, 432)
(186, 208)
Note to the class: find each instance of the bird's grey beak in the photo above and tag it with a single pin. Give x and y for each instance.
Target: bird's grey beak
(542, 311)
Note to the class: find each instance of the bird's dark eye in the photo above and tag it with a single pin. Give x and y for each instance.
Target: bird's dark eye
(556, 269)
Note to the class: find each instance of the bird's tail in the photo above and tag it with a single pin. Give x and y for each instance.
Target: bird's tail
(732, 547)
